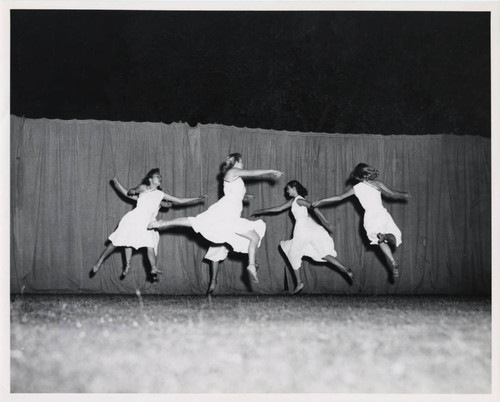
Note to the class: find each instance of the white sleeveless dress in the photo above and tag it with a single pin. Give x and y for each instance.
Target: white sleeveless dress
(132, 230)
(222, 221)
(376, 219)
(310, 239)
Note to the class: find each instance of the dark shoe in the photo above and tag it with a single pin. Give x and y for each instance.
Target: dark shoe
(349, 273)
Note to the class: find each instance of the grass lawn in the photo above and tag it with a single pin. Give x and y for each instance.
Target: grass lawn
(250, 344)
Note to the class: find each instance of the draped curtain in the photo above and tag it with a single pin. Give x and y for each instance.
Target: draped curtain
(63, 206)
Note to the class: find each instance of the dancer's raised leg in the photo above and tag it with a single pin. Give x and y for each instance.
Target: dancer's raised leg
(158, 225)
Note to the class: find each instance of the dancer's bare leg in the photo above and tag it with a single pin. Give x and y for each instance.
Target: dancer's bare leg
(128, 258)
(254, 239)
(183, 222)
(214, 270)
(107, 251)
(390, 259)
(333, 260)
(153, 261)
(298, 278)
(297, 273)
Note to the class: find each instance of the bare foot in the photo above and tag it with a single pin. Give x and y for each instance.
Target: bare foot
(252, 271)
(298, 288)
(395, 269)
(211, 288)
(126, 269)
(351, 274)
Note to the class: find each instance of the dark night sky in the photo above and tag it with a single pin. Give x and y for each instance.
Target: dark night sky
(329, 71)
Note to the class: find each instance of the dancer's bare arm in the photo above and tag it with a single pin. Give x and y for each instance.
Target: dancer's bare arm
(136, 191)
(334, 198)
(183, 201)
(391, 193)
(123, 190)
(236, 172)
(277, 208)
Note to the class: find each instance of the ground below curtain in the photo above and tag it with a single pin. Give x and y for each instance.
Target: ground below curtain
(63, 206)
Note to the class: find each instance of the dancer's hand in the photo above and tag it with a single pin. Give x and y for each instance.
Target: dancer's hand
(277, 173)
(315, 204)
(203, 197)
(257, 212)
(249, 196)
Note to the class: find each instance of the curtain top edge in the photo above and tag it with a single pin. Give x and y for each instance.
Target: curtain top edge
(260, 130)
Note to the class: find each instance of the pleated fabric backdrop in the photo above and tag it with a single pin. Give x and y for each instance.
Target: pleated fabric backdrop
(63, 206)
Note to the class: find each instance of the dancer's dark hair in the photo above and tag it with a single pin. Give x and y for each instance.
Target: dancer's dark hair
(301, 190)
(363, 171)
(149, 176)
(231, 160)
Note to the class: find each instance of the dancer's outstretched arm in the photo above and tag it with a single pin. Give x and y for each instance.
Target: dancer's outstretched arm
(183, 201)
(236, 172)
(123, 190)
(136, 191)
(277, 208)
(392, 193)
(334, 198)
